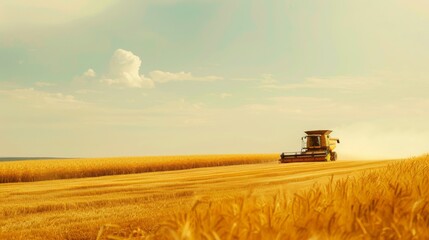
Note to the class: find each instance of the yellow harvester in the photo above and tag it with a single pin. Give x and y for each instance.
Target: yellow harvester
(317, 146)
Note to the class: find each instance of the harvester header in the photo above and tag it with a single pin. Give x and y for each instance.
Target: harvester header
(317, 146)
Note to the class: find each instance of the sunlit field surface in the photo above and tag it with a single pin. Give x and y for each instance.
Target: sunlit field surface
(388, 203)
(29, 171)
(78, 208)
(343, 199)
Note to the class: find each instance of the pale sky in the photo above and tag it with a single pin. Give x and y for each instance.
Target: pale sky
(163, 77)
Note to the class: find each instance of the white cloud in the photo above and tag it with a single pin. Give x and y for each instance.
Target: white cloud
(89, 73)
(163, 77)
(124, 71)
(86, 77)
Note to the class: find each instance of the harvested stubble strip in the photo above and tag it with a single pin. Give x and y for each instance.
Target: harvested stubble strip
(389, 203)
(38, 170)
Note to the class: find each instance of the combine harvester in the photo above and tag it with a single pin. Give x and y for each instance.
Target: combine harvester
(317, 146)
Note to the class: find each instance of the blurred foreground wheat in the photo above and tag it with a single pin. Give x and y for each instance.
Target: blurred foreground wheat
(390, 203)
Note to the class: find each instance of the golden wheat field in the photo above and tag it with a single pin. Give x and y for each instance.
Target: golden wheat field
(29, 171)
(388, 203)
(260, 199)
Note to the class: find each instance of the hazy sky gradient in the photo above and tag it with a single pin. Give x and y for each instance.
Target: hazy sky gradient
(120, 78)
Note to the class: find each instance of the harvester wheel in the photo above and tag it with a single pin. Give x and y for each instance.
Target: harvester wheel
(333, 156)
(328, 158)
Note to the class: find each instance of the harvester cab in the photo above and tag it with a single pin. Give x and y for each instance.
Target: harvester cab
(317, 146)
